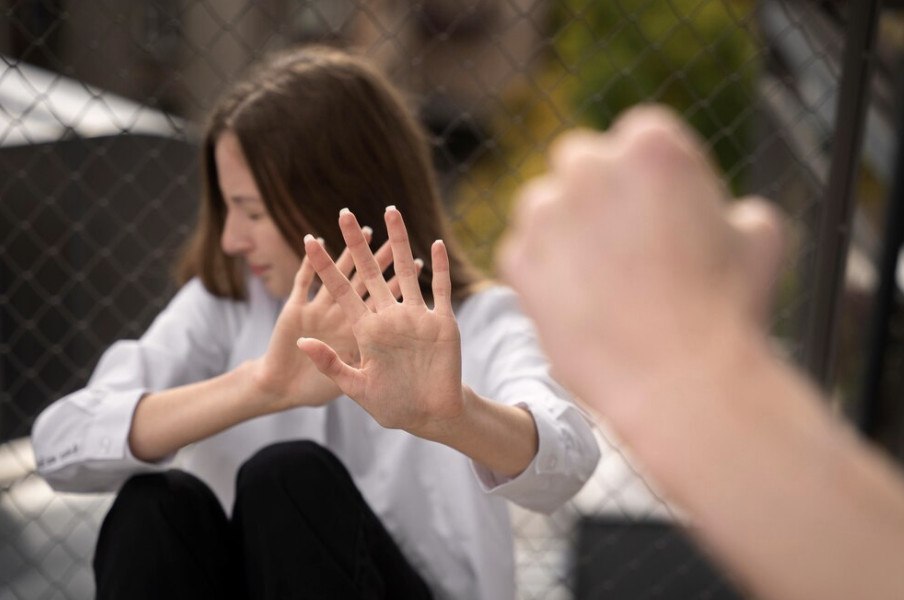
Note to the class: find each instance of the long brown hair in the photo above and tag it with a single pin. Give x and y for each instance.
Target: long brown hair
(321, 130)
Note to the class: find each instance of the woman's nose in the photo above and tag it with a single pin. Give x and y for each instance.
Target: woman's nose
(234, 239)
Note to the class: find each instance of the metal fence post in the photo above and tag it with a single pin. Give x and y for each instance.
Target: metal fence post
(875, 411)
(833, 236)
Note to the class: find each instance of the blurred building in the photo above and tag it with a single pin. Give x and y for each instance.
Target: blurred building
(96, 195)
(457, 59)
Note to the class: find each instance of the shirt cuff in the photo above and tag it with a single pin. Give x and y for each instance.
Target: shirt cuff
(546, 460)
(98, 457)
(108, 438)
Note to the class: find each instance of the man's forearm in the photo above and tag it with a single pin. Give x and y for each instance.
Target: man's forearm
(785, 493)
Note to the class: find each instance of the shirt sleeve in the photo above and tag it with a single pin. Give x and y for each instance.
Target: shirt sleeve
(81, 440)
(501, 351)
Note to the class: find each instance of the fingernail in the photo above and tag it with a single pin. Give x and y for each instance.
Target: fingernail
(344, 211)
(367, 230)
(322, 242)
(299, 341)
(308, 238)
(391, 207)
(419, 262)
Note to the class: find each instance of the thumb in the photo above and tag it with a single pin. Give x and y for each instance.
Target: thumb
(764, 246)
(328, 362)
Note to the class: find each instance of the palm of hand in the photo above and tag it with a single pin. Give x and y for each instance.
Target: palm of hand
(289, 378)
(410, 367)
(295, 375)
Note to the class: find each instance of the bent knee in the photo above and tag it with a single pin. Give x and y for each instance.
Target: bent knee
(164, 487)
(299, 468)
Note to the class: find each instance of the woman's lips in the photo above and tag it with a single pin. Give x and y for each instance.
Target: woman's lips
(258, 270)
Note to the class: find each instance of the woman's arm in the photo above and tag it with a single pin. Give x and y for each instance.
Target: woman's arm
(138, 408)
(282, 378)
(165, 421)
(500, 437)
(81, 440)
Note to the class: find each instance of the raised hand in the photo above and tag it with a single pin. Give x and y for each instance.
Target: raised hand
(288, 378)
(409, 375)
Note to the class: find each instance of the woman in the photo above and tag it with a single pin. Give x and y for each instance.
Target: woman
(248, 472)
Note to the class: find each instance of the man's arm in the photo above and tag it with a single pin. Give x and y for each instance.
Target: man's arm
(650, 293)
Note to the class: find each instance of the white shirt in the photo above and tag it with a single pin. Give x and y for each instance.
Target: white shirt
(447, 514)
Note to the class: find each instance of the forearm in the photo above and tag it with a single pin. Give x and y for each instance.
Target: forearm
(502, 438)
(168, 420)
(753, 462)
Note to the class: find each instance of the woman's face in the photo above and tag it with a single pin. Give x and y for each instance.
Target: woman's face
(249, 232)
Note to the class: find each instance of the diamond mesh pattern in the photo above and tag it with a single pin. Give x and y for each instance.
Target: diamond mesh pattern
(100, 102)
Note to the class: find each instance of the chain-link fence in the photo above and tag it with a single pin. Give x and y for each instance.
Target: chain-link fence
(100, 102)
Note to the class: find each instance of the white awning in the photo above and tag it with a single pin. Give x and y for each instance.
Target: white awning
(38, 106)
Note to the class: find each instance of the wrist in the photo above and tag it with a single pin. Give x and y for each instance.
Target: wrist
(500, 437)
(447, 428)
(666, 399)
(701, 352)
(262, 396)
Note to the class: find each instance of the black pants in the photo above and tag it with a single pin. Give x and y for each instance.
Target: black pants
(300, 529)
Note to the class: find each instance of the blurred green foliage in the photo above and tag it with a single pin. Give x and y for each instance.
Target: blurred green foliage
(698, 56)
